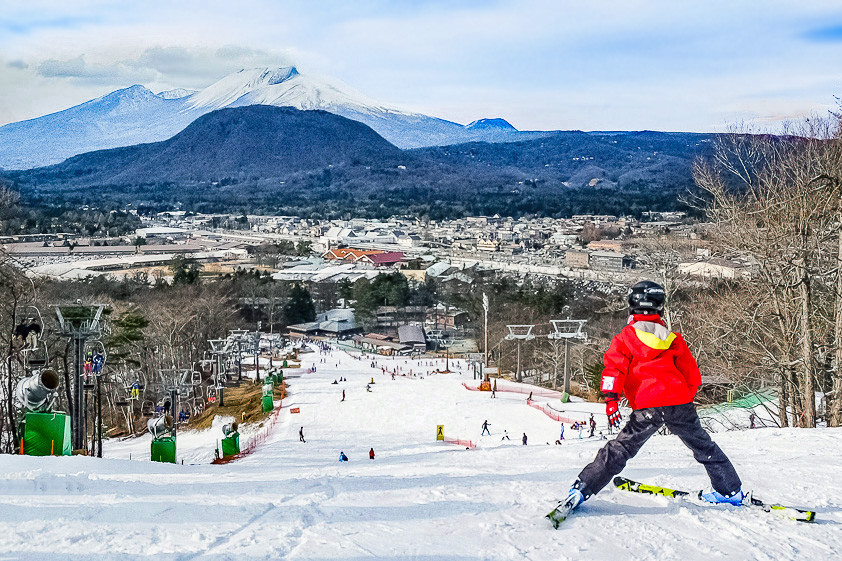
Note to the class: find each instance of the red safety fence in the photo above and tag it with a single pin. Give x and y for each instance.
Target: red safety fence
(258, 438)
(551, 413)
(534, 390)
(460, 442)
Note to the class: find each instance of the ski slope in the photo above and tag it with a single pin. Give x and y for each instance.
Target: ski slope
(418, 499)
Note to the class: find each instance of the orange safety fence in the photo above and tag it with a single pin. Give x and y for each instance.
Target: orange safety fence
(460, 442)
(551, 413)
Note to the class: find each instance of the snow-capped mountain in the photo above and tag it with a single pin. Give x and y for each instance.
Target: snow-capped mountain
(177, 93)
(136, 115)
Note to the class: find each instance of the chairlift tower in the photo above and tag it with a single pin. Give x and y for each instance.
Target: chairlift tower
(220, 349)
(238, 336)
(567, 329)
(519, 333)
(79, 323)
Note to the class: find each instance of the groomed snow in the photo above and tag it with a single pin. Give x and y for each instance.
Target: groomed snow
(419, 499)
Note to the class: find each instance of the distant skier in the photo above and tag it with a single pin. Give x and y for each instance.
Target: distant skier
(301, 435)
(371, 454)
(751, 419)
(343, 396)
(493, 394)
(561, 437)
(524, 439)
(343, 457)
(530, 397)
(592, 423)
(505, 435)
(485, 428)
(659, 377)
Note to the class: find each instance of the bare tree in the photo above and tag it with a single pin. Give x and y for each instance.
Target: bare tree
(776, 201)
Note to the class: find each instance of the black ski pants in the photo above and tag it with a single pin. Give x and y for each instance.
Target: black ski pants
(682, 421)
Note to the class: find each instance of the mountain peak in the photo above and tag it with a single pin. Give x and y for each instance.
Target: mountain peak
(176, 93)
(485, 124)
(135, 92)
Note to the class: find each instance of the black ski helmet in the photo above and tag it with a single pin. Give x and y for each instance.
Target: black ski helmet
(647, 297)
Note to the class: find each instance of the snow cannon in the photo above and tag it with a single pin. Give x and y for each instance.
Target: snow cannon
(163, 442)
(45, 433)
(268, 399)
(230, 428)
(160, 426)
(37, 393)
(231, 442)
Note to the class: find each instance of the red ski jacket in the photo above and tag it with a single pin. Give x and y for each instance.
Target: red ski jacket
(650, 365)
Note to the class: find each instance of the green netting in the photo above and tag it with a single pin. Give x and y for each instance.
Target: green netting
(163, 450)
(46, 434)
(751, 400)
(231, 445)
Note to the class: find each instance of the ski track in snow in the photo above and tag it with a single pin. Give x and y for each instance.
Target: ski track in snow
(418, 500)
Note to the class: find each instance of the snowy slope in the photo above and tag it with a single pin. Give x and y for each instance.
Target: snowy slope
(418, 499)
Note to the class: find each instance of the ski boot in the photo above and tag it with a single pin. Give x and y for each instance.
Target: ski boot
(736, 498)
(575, 497)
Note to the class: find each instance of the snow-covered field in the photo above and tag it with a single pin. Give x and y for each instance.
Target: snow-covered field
(418, 499)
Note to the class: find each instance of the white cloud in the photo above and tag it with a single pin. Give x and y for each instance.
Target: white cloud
(538, 63)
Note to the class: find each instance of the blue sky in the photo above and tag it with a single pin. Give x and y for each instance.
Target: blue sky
(598, 65)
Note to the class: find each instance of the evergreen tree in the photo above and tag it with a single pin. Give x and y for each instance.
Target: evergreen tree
(299, 308)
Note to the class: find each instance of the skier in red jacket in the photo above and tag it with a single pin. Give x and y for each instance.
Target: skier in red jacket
(654, 369)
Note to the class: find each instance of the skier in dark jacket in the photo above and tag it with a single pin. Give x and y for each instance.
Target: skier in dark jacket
(659, 377)
(485, 428)
(592, 423)
(524, 439)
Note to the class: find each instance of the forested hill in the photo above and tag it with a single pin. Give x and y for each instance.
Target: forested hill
(257, 141)
(313, 163)
(647, 159)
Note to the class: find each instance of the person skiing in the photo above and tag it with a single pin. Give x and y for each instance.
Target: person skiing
(562, 432)
(524, 439)
(343, 396)
(342, 457)
(485, 428)
(301, 434)
(371, 454)
(592, 423)
(505, 435)
(654, 369)
(530, 397)
(751, 418)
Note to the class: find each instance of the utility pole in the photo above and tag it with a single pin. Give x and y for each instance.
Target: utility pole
(485, 309)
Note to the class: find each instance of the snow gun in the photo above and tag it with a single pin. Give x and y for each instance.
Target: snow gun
(160, 427)
(44, 432)
(37, 393)
(230, 429)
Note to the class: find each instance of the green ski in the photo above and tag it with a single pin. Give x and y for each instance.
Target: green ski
(792, 513)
